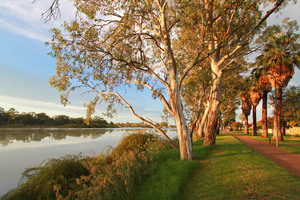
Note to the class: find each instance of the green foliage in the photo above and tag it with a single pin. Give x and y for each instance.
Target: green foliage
(116, 175)
(290, 105)
(230, 97)
(236, 126)
(280, 51)
(111, 176)
(14, 118)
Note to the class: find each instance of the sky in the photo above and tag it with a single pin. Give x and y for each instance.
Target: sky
(25, 67)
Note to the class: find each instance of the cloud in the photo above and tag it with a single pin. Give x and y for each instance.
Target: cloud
(27, 105)
(23, 31)
(24, 17)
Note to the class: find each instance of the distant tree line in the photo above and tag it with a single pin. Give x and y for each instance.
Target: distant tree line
(13, 118)
(143, 125)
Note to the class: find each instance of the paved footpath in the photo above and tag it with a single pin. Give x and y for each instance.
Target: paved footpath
(287, 160)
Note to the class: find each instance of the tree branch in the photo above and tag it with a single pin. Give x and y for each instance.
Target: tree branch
(162, 97)
(197, 61)
(136, 115)
(243, 41)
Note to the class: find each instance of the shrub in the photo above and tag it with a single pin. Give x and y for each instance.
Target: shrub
(111, 176)
(114, 176)
(54, 180)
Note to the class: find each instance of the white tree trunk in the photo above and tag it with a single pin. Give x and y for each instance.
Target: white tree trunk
(202, 123)
(214, 106)
(185, 142)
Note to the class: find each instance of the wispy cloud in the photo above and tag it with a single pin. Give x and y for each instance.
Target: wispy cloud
(27, 105)
(24, 18)
(23, 31)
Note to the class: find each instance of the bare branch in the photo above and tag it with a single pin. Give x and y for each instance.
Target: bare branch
(52, 12)
(136, 115)
(162, 97)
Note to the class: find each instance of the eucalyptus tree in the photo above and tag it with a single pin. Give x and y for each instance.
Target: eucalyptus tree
(229, 99)
(226, 28)
(280, 54)
(195, 92)
(291, 105)
(114, 43)
(117, 43)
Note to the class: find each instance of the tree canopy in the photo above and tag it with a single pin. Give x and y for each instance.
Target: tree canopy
(290, 105)
(153, 44)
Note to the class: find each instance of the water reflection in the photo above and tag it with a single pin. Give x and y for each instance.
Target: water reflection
(23, 148)
(10, 135)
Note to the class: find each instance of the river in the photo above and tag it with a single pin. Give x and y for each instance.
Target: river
(23, 148)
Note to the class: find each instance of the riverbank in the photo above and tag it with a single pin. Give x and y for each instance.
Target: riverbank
(147, 169)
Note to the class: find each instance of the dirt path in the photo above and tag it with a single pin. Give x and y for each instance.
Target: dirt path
(287, 160)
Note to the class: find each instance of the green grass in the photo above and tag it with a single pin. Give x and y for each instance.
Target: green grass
(234, 171)
(143, 167)
(171, 174)
(290, 143)
(290, 148)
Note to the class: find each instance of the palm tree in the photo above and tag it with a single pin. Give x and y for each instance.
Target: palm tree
(246, 108)
(265, 86)
(280, 55)
(255, 97)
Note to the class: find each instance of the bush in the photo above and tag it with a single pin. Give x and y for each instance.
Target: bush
(114, 176)
(52, 181)
(111, 176)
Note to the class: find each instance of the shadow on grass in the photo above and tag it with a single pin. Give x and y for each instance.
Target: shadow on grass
(234, 171)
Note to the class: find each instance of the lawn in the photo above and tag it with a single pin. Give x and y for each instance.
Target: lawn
(290, 143)
(234, 171)
(171, 175)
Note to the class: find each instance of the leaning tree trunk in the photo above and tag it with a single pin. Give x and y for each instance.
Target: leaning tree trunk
(214, 107)
(202, 123)
(185, 142)
(264, 120)
(279, 98)
(254, 126)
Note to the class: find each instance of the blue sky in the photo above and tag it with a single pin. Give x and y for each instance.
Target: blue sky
(25, 67)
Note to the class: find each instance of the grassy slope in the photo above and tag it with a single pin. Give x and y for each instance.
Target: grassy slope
(171, 174)
(234, 171)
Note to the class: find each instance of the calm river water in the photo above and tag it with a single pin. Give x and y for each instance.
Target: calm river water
(23, 148)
